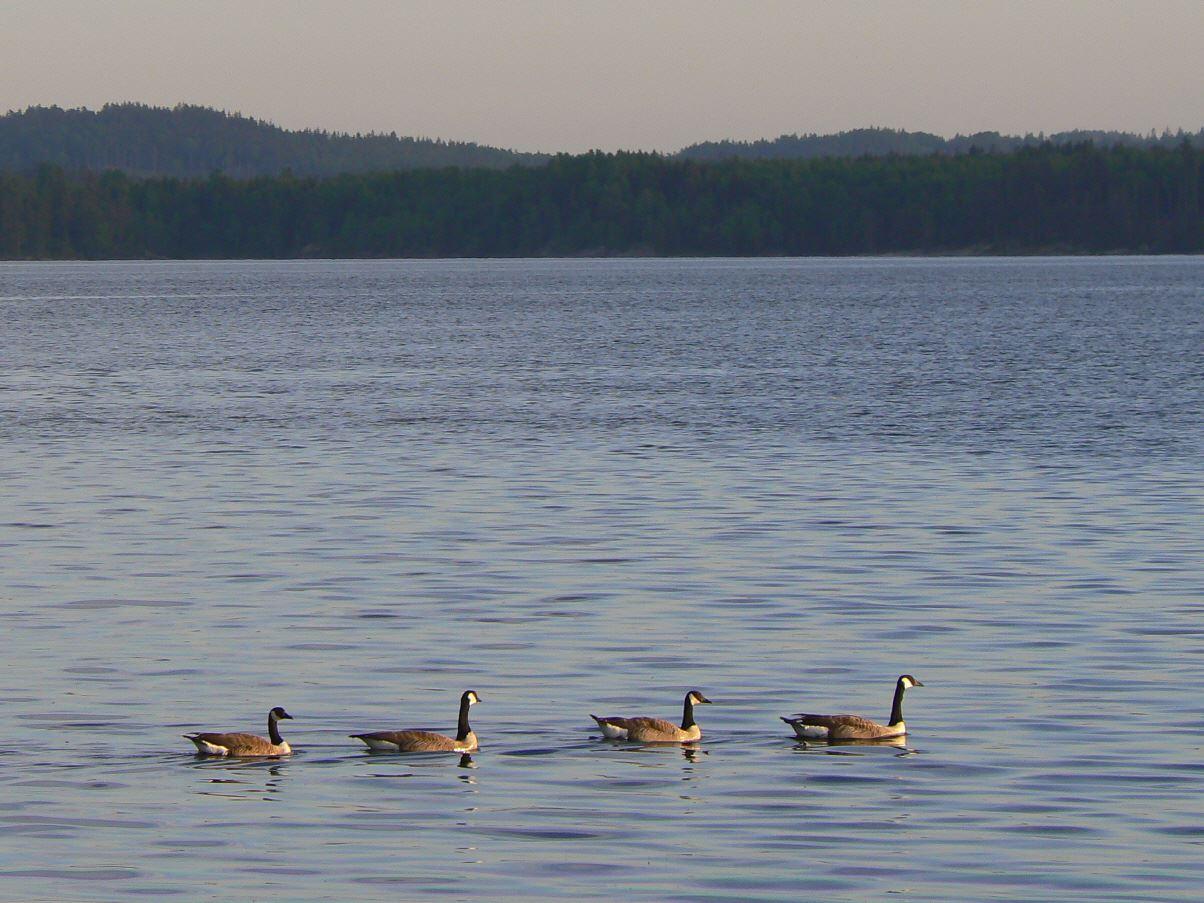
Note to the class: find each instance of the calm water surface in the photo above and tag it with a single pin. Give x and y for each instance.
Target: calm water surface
(357, 489)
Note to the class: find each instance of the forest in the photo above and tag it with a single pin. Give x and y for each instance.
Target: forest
(194, 141)
(1043, 199)
(878, 142)
(189, 140)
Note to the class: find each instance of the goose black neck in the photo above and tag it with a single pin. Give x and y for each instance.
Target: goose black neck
(687, 713)
(462, 729)
(274, 729)
(896, 710)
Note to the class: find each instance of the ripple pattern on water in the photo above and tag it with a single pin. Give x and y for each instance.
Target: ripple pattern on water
(356, 489)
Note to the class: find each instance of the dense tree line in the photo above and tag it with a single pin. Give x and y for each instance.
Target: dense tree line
(195, 141)
(1072, 199)
(883, 142)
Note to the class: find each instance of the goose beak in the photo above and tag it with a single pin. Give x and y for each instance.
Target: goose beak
(918, 683)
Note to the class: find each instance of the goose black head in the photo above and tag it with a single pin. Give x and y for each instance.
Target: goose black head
(471, 697)
(278, 713)
(907, 681)
(695, 697)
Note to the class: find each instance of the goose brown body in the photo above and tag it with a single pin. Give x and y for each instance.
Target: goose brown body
(412, 740)
(241, 744)
(853, 727)
(654, 730)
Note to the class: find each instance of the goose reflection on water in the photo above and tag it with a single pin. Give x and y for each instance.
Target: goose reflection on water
(843, 747)
(469, 766)
(246, 787)
(691, 752)
(414, 765)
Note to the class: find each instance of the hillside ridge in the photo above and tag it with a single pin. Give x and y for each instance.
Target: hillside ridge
(189, 141)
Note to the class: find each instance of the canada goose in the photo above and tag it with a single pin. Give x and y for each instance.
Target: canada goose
(427, 741)
(245, 744)
(655, 730)
(854, 727)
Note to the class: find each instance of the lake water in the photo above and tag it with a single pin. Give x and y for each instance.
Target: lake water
(356, 489)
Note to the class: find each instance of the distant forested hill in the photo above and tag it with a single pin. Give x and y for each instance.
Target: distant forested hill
(193, 141)
(196, 141)
(1047, 199)
(883, 142)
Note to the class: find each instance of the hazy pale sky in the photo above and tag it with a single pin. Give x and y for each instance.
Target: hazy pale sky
(654, 74)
